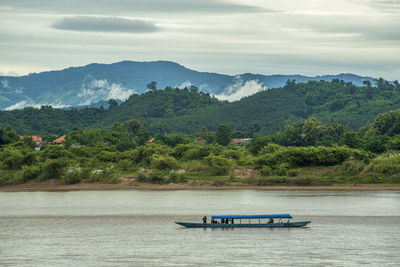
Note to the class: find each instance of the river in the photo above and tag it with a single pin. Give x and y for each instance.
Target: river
(136, 228)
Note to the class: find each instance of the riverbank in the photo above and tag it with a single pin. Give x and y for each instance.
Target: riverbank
(53, 185)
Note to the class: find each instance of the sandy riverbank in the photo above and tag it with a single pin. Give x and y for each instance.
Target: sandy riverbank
(53, 185)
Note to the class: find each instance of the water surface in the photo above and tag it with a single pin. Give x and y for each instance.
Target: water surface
(136, 228)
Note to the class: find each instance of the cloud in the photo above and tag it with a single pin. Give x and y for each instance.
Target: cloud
(388, 6)
(96, 90)
(25, 103)
(131, 6)
(240, 89)
(186, 84)
(105, 24)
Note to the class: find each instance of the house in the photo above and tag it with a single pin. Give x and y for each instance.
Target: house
(151, 140)
(200, 140)
(60, 140)
(241, 141)
(36, 139)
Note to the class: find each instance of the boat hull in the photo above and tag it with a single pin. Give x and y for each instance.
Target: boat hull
(243, 225)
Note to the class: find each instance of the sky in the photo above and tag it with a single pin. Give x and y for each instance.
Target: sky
(310, 37)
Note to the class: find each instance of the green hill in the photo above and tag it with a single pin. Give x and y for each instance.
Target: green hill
(186, 110)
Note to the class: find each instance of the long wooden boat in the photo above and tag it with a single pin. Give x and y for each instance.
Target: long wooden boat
(246, 221)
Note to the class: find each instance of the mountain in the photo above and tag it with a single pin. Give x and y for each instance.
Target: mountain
(175, 110)
(87, 85)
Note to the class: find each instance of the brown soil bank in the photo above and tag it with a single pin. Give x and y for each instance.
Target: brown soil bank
(53, 185)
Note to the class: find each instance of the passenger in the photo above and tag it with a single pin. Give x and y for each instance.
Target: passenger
(205, 219)
(232, 221)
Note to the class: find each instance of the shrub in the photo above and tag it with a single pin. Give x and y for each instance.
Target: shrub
(124, 164)
(107, 175)
(219, 182)
(302, 181)
(219, 165)
(107, 156)
(31, 172)
(73, 175)
(194, 166)
(291, 173)
(12, 159)
(282, 169)
(155, 177)
(177, 177)
(54, 168)
(163, 162)
(11, 178)
(311, 156)
(266, 170)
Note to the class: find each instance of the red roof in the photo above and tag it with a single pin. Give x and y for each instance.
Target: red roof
(151, 140)
(60, 139)
(34, 138)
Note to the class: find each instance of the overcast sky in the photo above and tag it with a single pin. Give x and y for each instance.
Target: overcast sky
(226, 36)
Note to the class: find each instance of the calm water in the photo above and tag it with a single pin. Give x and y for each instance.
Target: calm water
(136, 228)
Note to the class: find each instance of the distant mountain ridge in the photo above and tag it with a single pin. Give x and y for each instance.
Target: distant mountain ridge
(86, 85)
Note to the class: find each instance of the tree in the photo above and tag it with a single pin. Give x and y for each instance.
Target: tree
(367, 83)
(152, 86)
(8, 135)
(112, 103)
(133, 127)
(223, 134)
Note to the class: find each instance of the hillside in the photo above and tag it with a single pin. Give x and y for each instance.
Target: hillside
(186, 110)
(86, 85)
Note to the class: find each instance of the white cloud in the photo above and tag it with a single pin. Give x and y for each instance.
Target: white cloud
(25, 103)
(240, 89)
(186, 84)
(94, 90)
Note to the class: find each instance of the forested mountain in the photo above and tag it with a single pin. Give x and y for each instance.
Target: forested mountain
(175, 110)
(80, 86)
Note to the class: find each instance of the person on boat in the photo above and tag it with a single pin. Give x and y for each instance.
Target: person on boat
(205, 219)
(232, 221)
(271, 220)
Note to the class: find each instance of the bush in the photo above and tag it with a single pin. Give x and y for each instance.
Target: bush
(302, 181)
(219, 165)
(311, 156)
(124, 165)
(266, 170)
(74, 175)
(291, 173)
(31, 172)
(163, 162)
(54, 168)
(107, 156)
(155, 177)
(282, 169)
(219, 182)
(108, 175)
(177, 177)
(11, 178)
(194, 166)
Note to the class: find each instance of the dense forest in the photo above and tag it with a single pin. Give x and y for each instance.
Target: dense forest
(307, 152)
(184, 111)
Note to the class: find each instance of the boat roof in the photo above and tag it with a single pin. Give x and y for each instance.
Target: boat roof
(263, 216)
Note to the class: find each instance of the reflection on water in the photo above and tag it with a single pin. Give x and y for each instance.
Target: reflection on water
(136, 228)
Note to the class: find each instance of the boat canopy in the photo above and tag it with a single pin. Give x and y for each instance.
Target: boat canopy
(265, 216)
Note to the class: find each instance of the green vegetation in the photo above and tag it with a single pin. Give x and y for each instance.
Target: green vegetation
(309, 152)
(183, 111)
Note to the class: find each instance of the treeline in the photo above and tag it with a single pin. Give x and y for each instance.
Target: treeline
(287, 157)
(182, 111)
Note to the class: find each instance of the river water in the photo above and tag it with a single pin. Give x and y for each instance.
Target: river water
(136, 228)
